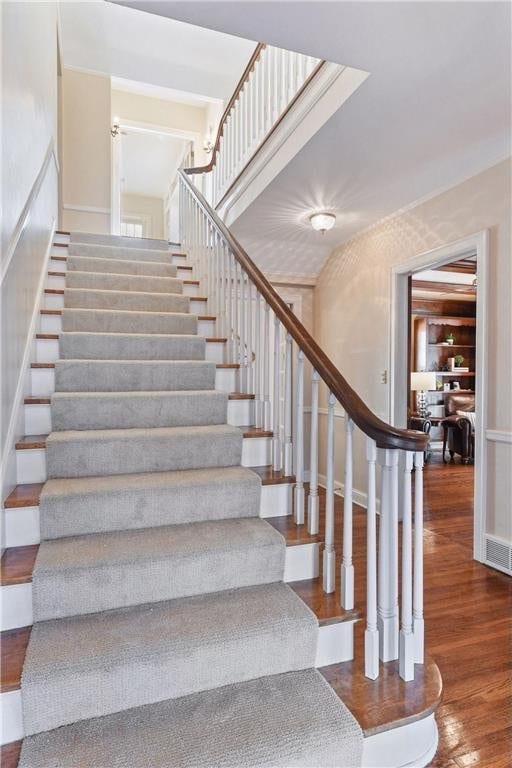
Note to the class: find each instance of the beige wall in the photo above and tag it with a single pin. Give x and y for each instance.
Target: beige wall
(86, 151)
(352, 308)
(152, 207)
(169, 114)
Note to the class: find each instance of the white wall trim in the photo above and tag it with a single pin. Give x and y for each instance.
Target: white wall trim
(499, 436)
(476, 244)
(21, 388)
(50, 154)
(86, 209)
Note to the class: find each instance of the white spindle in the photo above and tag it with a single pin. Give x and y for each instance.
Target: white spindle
(418, 623)
(276, 426)
(299, 442)
(347, 567)
(371, 635)
(250, 351)
(406, 651)
(266, 370)
(388, 558)
(242, 347)
(329, 560)
(258, 418)
(231, 333)
(313, 513)
(223, 289)
(288, 447)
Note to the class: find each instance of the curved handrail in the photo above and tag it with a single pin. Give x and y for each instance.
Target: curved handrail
(385, 435)
(231, 102)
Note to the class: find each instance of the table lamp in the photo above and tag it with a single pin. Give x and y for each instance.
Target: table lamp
(422, 382)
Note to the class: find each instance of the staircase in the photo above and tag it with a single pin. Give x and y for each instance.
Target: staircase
(159, 606)
(170, 590)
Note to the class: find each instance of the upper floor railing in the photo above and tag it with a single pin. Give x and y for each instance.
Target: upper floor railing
(273, 79)
(258, 326)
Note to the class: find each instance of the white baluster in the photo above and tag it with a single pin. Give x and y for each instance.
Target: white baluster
(236, 315)
(329, 559)
(299, 442)
(276, 425)
(242, 349)
(288, 446)
(388, 557)
(418, 623)
(313, 513)
(406, 654)
(231, 332)
(223, 299)
(250, 350)
(266, 370)
(258, 418)
(371, 635)
(347, 567)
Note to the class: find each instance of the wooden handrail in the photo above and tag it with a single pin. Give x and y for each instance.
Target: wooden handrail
(385, 435)
(236, 93)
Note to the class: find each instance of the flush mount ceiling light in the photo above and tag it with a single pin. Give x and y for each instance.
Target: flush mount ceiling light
(322, 222)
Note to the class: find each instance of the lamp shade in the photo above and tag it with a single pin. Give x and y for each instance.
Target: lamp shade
(423, 381)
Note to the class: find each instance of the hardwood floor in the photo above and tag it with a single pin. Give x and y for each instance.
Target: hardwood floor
(468, 612)
(468, 616)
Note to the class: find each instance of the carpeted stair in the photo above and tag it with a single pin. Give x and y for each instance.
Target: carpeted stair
(164, 634)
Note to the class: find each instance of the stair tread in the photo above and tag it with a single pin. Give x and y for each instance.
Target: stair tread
(279, 706)
(24, 496)
(221, 366)
(28, 495)
(17, 565)
(29, 442)
(170, 627)
(270, 476)
(121, 266)
(100, 250)
(103, 571)
(250, 430)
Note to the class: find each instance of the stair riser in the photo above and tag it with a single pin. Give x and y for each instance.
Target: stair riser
(38, 417)
(43, 383)
(335, 643)
(31, 463)
(17, 599)
(22, 524)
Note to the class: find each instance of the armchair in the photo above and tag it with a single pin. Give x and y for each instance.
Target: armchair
(459, 430)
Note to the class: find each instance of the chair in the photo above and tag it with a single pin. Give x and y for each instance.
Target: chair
(459, 431)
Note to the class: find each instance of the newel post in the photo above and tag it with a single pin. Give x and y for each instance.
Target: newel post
(388, 557)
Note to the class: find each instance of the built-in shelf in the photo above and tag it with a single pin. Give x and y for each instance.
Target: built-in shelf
(448, 346)
(450, 320)
(454, 373)
(451, 391)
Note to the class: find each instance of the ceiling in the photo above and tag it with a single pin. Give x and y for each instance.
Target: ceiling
(123, 42)
(434, 111)
(148, 161)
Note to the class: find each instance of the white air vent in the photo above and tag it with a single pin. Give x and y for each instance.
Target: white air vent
(498, 553)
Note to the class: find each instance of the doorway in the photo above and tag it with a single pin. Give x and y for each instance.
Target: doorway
(439, 300)
(145, 160)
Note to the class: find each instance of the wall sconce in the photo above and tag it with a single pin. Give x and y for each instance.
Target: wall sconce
(208, 142)
(114, 131)
(322, 222)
